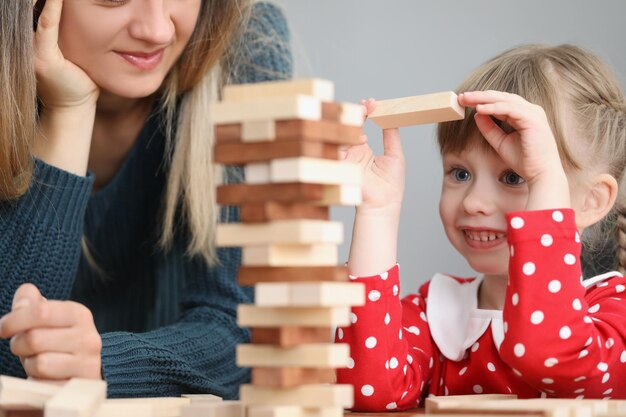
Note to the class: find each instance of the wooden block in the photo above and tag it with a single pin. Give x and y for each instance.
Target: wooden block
(77, 398)
(296, 411)
(291, 336)
(545, 408)
(279, 232)
(253, 316)
(258, 130)
(290, 255)
(291, 377)
(319, 355)
(435, 403)
(215, 409)
(20, 411)
(317, 194)
(258, 173)
(324, 90)
(406, 111)
(245, 153)
(276, 108)
(315, 171)
(326, 131)
(110, 408)
(202, 398)
(304, 396)
(23, 392)
(310, 294)
(272, 210)
(161, 406)
(252, 275)
(352, 114)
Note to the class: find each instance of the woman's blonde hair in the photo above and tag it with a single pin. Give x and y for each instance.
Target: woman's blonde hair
(18, 115)
(559, 78)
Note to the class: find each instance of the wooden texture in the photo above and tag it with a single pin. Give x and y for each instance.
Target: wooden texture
(252, 275)
(436, 403)
(290, 255)
(317, 194)
(294, 411)
(258, 130)
(273, 210)
(20, 411)
(326, 131)
(279, 232)
(309, 294)
(244, 153)
(23, 392)
(276, 108)
(315, 171)
(77, 398)
(324, 90)
(215, 409)
(202, 398)
(110, 408)
(291, 377)
(304, 396)
(161, 406)
(253, 316)
(541, 407)
(406, 111)
(311, 355)
(291, 336)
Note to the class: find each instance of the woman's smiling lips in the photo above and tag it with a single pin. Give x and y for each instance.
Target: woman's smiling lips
(144, 61)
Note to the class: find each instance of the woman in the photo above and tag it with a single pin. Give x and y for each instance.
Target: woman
(120, 214)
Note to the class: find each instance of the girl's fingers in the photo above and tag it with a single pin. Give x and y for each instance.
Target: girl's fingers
(47, 34)
(490, 131)
(392, 143)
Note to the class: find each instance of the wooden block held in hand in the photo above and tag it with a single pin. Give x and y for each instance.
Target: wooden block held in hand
(291, 336)
(253, 316)
(273, 210)
(78, 398)
(307, 396)
(291, 377)
(252, 275)
(406, 111)
(290, 255)
(319, 355)
(324, 90)
(19, 391)
(297, 232)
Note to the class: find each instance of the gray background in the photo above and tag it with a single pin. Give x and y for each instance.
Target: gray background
(395, 48)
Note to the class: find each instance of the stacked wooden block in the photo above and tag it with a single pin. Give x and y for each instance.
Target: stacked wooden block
(287, 135)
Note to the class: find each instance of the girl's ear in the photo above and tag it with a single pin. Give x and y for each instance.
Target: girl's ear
(598, 200)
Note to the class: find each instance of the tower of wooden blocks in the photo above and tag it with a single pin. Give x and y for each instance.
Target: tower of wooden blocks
(287, 135)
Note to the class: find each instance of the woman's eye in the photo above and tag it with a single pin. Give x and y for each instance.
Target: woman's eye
(459, 174)
(511, 178)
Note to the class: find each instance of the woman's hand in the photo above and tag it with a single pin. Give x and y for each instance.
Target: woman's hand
(54, 340)
(60, 83)
(383, 176)
(530, 149)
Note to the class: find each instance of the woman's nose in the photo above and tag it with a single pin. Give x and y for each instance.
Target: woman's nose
(152, 23)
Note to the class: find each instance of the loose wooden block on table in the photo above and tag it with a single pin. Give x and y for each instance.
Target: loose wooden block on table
(325, 131)
(406, 111)
(276, 108)
(161, 406)
(252, 275)
(324, 90)
(568, 408)
(20, 411)
(253, 316)
(77, 398)
(290, 255)
(304, 396)
(215, 409)
(434, 403)
(291, 336)
(293, 411)
(239, 154)
(316, 194)
(279, 232)
(111, 408)
(273, 210)
(310, 294)
(23, 392)
(318, 355)
(291, 377)
(202, 398)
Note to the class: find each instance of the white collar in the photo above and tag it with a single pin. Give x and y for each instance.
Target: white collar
(454, 319)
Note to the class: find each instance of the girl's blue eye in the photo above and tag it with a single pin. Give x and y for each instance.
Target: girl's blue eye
(511, 178)
(460, 174)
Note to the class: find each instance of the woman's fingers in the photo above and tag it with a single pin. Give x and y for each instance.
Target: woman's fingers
(62, 340)
(26, 294)
(43, 314)
(47, 34)
(55, 365)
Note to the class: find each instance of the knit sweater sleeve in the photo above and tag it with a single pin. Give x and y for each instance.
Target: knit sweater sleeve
(197, 353)
(40, 241)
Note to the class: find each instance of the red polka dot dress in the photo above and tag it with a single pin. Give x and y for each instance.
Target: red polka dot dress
(556, 336)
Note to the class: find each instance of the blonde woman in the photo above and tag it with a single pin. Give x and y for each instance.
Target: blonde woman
(119, 214)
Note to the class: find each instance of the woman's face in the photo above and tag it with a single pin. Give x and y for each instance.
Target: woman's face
(127, 47)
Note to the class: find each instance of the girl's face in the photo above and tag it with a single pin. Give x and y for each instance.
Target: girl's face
(127, 47)
(478, 190)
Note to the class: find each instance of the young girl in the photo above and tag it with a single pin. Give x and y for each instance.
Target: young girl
(538, 160)
(124, 167)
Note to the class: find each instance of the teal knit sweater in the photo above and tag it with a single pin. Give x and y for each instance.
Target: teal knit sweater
(168, 322)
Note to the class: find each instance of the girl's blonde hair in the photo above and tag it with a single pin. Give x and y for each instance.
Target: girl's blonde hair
(18, 115)
(560, 79)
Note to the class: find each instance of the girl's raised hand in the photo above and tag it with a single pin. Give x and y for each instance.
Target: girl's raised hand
(530, 149)
(55, 340)
(383, 176)
(60, 83)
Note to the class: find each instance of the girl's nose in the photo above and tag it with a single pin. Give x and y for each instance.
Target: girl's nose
(479, 200)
